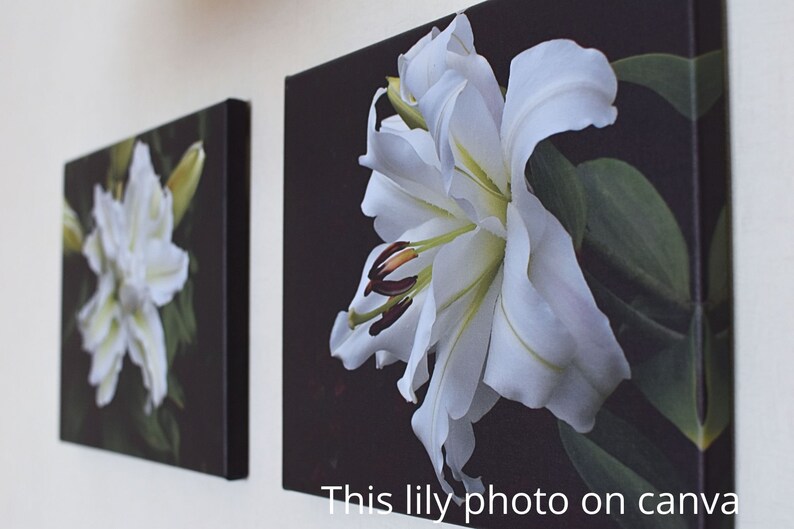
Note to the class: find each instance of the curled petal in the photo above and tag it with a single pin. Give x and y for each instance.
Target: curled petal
(147, 350)
(408, 157)
(104, 357)
(462, 349)
(554, 87)
(530, 346)
(551, 345)
(109, 218)
(96, 316)
(107, 387)
(166, 270)
(92, 250)
(599, 364)
(355, 346)
(416, 372)
(460, 441)
(452, 49)
(148, 207)
(437, 107)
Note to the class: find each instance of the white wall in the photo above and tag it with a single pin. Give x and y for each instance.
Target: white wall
(75, 75)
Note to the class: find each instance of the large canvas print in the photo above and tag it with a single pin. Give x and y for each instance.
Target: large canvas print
(155, 300)
(506, 269)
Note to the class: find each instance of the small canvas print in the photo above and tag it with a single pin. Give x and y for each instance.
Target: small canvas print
(155, 270)
(506, 270)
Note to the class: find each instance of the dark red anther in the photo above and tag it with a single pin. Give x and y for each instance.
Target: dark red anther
(392, 288)
(393, 263)
(390, 250)
(390, 316)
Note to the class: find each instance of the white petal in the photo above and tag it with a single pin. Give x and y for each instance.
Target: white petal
(475, 141)
(462, 347)
(428, 49)
(166, 270)
(107, 387)
(147, 350)
(530, 346)
(407, 157)
(554, 87)
(396, 210)
(467, 153)
(437, 107)
(92, 250)
(110, 223)
(355, 346)
(105, 356)
(96, 316)
(416, 373)
(452, 49)
(460, 440)
(599, 364)
(147, 207)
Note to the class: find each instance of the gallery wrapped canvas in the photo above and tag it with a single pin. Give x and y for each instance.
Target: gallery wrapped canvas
(506, 270)
(155, 294)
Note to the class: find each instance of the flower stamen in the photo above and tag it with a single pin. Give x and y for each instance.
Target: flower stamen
(390, 250)
(390, 288)
(390, 316)
(394, 262)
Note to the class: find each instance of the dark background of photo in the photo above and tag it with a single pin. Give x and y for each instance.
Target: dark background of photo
(353, 427)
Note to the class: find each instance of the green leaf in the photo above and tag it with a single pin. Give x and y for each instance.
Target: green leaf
(152, 431)
(719, 385)
(175, 391)
(630, 227)
(179, 322)
(692, 86)
(615, 457)
(718, 262)
(409, 114)
(115, 436)
(555, 182)
(171, 429)
(631, 315)
(670, 381)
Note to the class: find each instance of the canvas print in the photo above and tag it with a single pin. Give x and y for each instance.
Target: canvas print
(155, 269)
(506, 269)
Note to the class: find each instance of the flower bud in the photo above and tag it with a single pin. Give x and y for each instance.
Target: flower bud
(185, 178)
(72, 231)
(410, 114)
(120, 156)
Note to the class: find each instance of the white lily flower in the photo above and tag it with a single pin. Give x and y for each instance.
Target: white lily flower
(138, 269)
(481, 273)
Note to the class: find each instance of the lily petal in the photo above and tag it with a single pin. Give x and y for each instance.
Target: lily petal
(107, 387)
(416, 372)
(166, 270)
(554, 87)
(530, 346)
(107, 353)
(355, 346)
(109, 218)
(147, 350)
(599, 363)
(407, 156)
(449, 108)
(452, 49)
(97, 315)
(461, 351)
(397, 211)
(460, 441)
(147, 206)
(92, 250)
